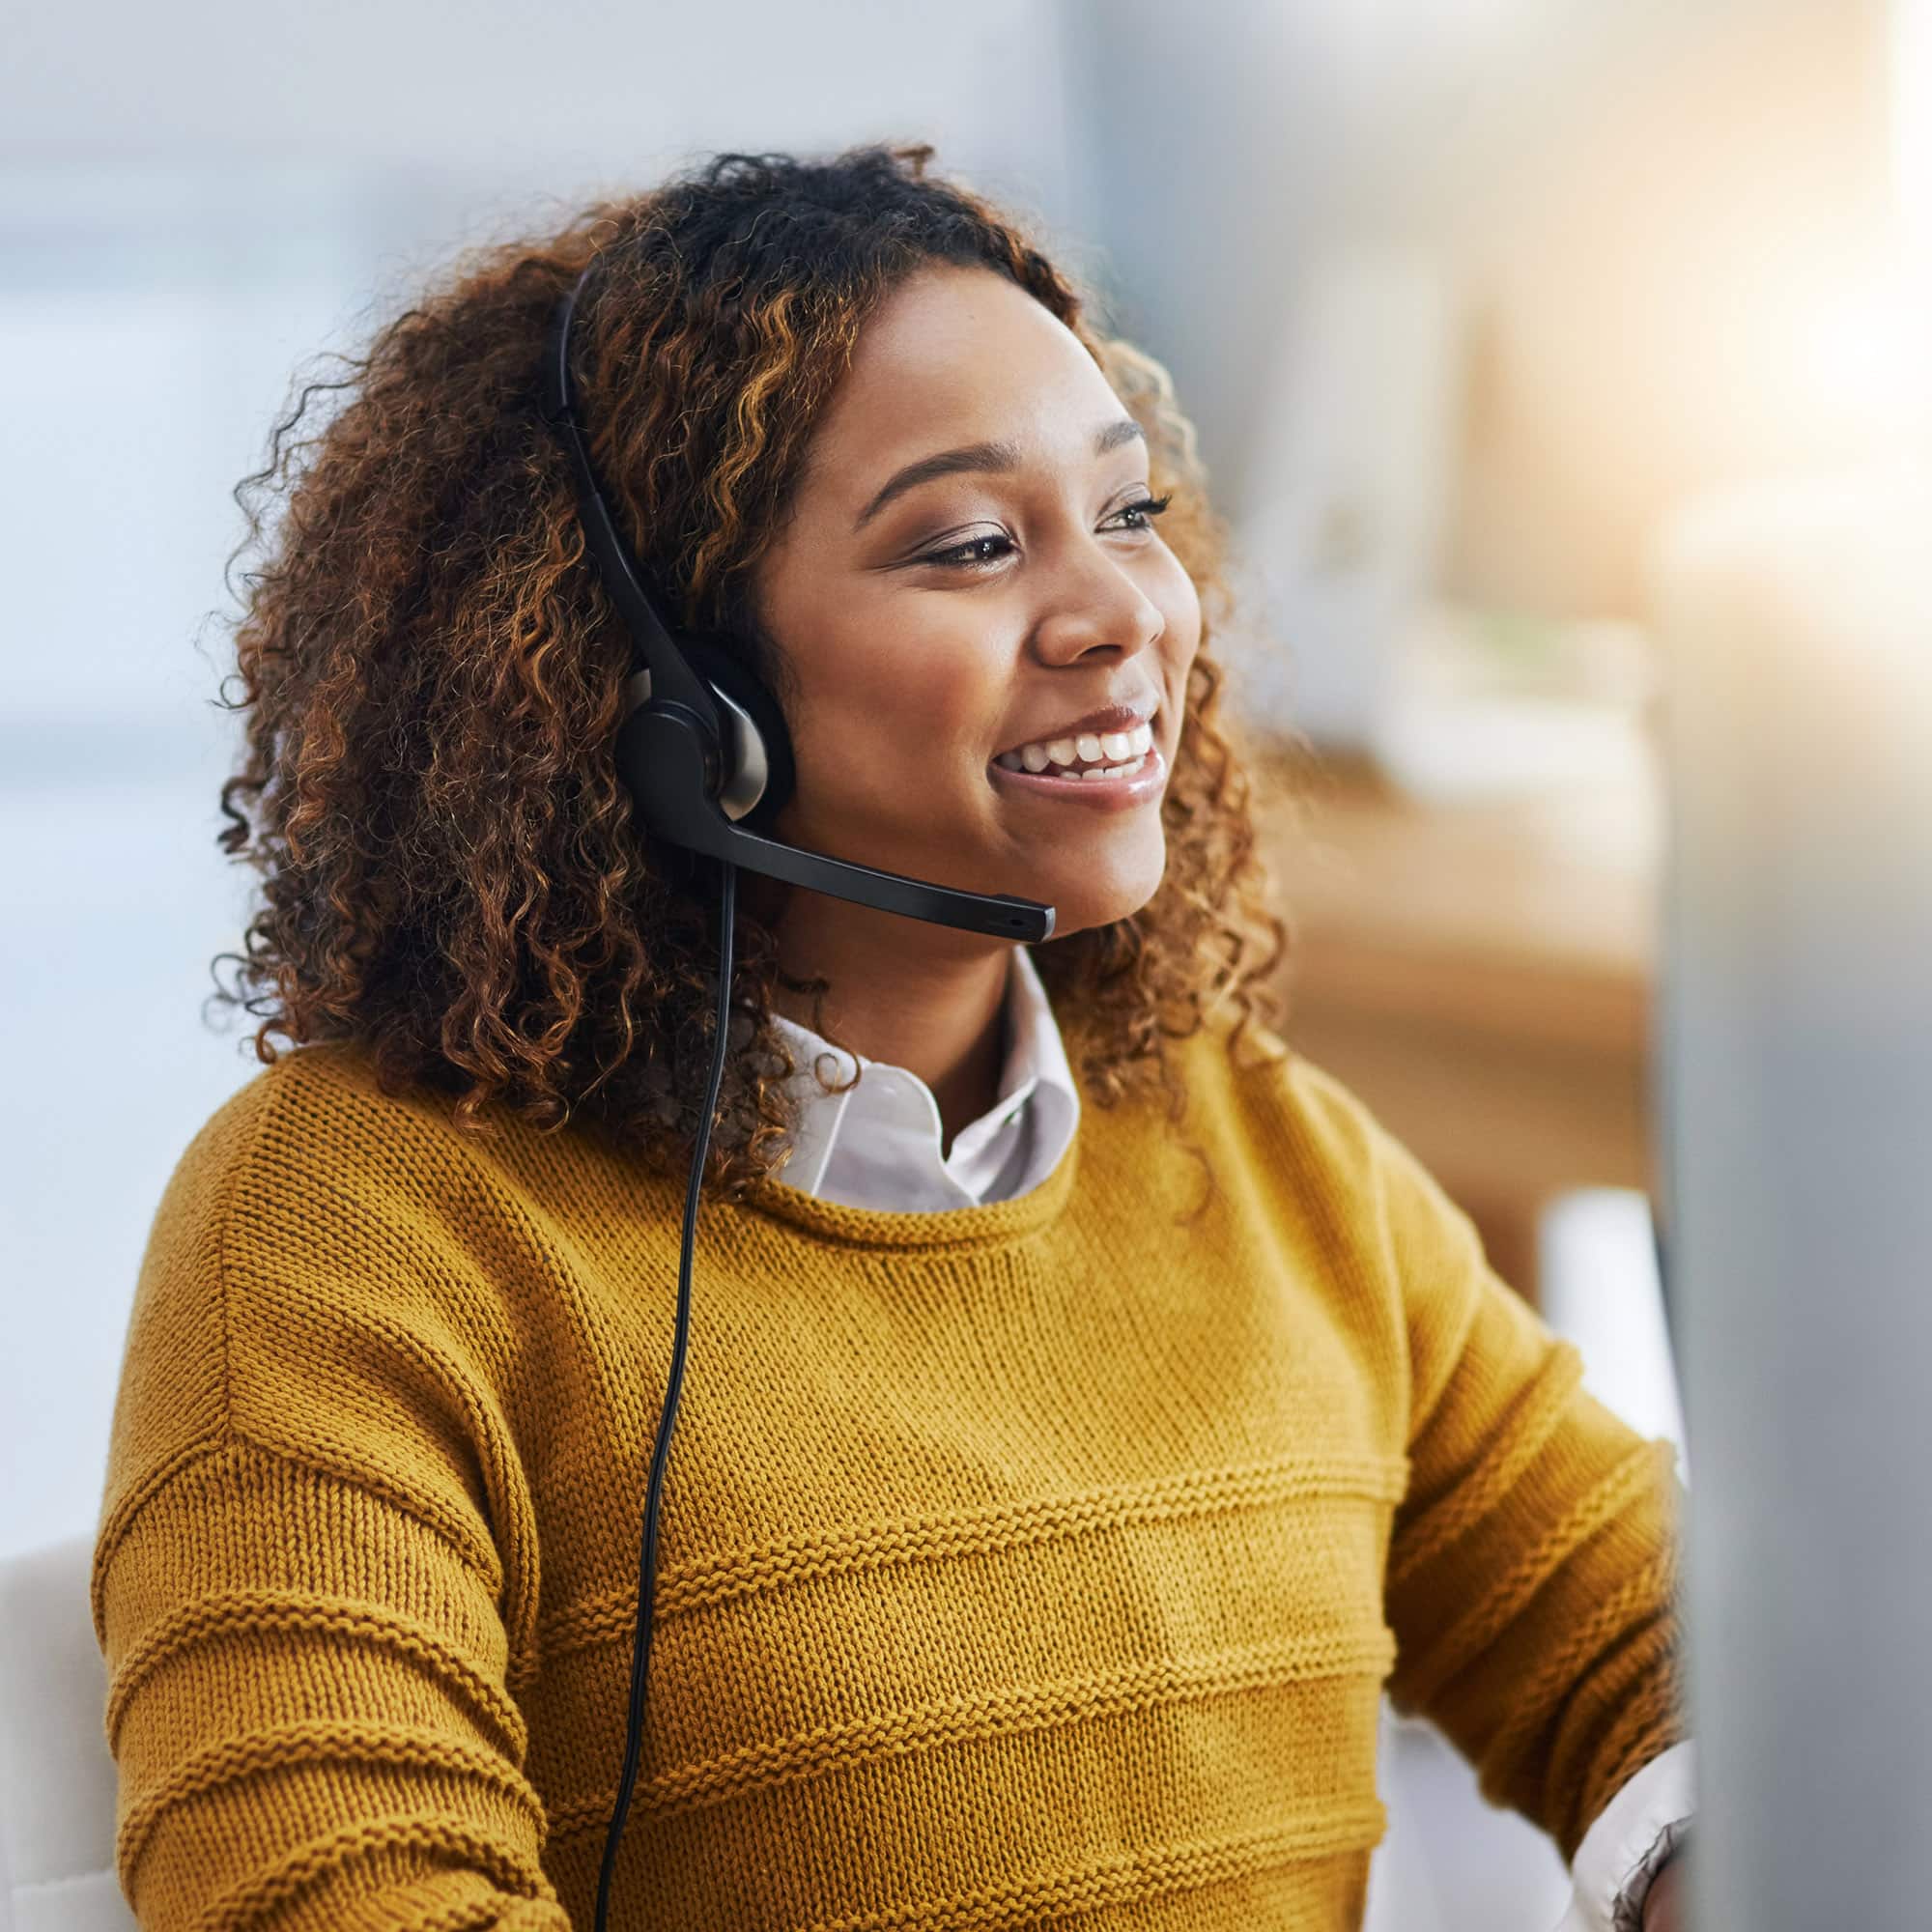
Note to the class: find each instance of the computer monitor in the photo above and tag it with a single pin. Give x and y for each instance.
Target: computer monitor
(1795, 1092)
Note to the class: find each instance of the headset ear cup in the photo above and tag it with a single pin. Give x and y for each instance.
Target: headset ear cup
(726, 675)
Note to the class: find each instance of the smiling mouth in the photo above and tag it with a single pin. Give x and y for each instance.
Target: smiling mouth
(1137, 781)
(1095, 754)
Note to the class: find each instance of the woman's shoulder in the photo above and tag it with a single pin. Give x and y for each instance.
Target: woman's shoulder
(321, 1117)
(1249, 1063)
(335, 1087)
(311, 1207)
(312, 1294)
(1308, 1124)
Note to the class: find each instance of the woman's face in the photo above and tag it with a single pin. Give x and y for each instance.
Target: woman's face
(935, 625)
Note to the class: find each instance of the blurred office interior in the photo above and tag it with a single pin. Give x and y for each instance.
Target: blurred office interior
(1483, 310)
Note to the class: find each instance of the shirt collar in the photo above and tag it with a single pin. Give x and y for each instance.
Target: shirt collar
(878, 1146)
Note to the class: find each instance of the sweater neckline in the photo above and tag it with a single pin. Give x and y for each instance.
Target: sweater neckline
(990, 1222)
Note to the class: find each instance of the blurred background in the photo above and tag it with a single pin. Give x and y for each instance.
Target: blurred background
(1512, 330)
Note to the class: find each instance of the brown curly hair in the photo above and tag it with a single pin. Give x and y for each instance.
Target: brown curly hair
(433, 677)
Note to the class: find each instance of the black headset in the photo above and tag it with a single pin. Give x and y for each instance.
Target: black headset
(704, 753)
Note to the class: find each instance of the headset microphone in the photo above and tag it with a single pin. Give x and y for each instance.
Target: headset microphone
(706, 757)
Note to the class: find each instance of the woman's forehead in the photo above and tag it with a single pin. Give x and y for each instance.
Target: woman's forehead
(956, 357)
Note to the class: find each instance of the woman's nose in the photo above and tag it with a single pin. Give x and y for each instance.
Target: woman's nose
(1098, 602)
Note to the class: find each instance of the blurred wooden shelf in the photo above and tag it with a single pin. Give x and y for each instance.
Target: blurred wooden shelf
(1478, 973)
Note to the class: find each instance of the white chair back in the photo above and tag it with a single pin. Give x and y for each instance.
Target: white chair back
(57, 1779)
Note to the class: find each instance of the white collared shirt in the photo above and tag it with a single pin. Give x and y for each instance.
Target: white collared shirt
(878, 1146)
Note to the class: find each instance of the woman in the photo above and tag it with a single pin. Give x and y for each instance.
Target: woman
(1092, 1409)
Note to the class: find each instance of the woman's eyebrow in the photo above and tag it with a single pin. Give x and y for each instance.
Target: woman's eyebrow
(983, 456)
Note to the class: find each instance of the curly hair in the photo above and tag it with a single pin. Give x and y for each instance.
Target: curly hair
(432, 676)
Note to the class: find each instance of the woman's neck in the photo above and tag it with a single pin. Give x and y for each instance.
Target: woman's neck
(930, 999)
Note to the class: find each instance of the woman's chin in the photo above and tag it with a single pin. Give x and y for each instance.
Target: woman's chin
(1080, 903)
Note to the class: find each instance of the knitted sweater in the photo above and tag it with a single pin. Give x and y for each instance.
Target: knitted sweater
(1042, 1560)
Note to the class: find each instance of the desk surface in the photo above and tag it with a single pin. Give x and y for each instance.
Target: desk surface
(1525, 915)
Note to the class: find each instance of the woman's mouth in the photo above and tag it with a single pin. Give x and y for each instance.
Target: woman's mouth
(1133, 780)
(1116, 753)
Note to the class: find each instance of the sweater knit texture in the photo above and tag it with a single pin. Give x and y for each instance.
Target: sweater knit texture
(1036, 1563)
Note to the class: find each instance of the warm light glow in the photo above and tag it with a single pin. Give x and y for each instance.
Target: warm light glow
(1910, 62)
(1860, 356)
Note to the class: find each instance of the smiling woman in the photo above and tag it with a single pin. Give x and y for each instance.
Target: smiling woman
(1046, 1524)
(862, 435)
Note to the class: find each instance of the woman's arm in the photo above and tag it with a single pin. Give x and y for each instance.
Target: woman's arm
(307, 1705)
(310, 1537)
(1533, 1560)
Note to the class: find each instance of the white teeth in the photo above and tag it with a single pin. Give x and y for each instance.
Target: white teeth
(1088, 747)
(1011, 761)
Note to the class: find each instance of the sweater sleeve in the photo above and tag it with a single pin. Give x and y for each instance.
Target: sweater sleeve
(299, 1603)
(1533, 1562)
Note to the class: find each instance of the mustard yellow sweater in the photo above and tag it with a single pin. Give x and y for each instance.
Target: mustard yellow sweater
(1037, 1562)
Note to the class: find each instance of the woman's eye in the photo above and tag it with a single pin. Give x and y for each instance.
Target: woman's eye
(966, 556)
(970, 557)
(1147, 506)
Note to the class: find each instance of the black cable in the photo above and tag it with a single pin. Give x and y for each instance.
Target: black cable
(641, 1652)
